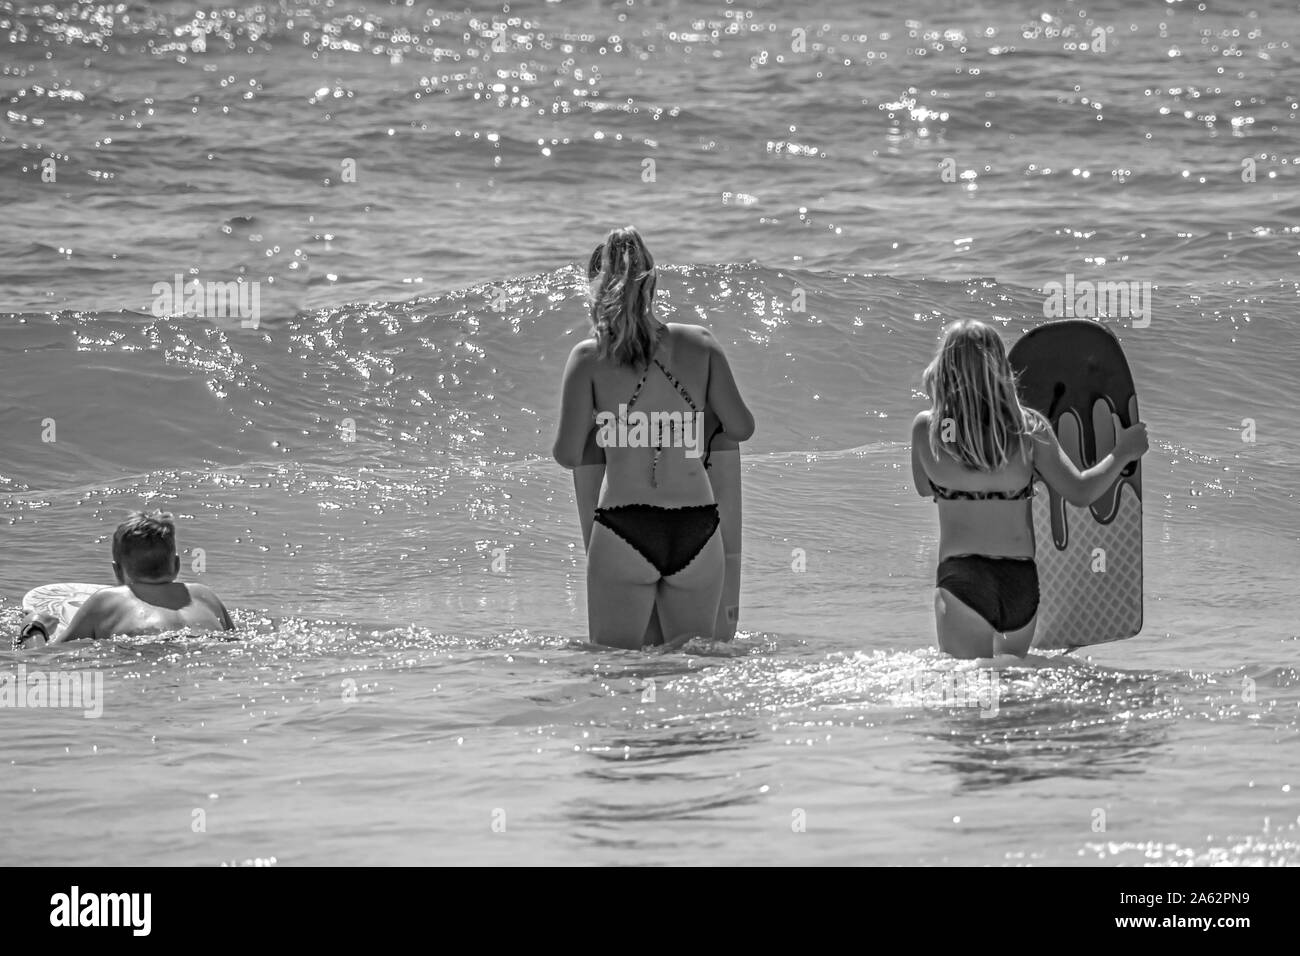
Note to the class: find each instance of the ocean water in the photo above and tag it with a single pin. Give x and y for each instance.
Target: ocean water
(367, 471)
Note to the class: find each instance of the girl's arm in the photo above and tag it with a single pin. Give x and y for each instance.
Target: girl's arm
(921, 439)
(1082, 488)
(577, 406)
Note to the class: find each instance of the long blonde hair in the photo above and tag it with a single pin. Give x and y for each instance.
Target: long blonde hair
(972, 390)
(622, 301)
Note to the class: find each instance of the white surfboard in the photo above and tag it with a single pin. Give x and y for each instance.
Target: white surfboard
(63, 601)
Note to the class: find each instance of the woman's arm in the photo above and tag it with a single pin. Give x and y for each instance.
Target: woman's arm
(920, 440)
(724, 395)
(577, 406)
(587, 480)
(1082, 488)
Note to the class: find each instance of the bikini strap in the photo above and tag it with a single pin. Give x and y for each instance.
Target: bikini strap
(681, 389)
(646, 374)
(958, 494)
(672, 379)
(639, 385)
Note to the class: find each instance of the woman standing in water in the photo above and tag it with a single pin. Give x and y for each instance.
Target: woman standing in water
(644, 385)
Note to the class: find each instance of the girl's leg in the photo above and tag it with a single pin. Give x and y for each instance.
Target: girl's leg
(962, 630)
(1016, 642)
(620, 591)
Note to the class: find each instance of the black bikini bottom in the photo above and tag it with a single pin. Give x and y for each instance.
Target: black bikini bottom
(1003, 590)
(669, 538)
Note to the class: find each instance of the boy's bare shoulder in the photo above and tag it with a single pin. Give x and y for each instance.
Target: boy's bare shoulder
(202, 594)
(201, 591)
(106, 597)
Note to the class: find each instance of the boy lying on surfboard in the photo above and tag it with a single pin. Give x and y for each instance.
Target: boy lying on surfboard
(148, 600)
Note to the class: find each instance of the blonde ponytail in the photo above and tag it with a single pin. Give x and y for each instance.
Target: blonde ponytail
(622, 309)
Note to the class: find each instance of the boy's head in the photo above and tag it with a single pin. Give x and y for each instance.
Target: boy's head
(144, 549)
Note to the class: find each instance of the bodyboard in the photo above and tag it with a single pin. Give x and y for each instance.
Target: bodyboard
(1089, 559)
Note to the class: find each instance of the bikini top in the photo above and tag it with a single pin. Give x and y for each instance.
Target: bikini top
(956, 494)
(672, 380)
(681, 390)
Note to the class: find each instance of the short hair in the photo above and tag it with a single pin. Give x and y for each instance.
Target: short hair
(144, 545)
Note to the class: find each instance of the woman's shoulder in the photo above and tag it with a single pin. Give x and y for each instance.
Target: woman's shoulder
(696, 336)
